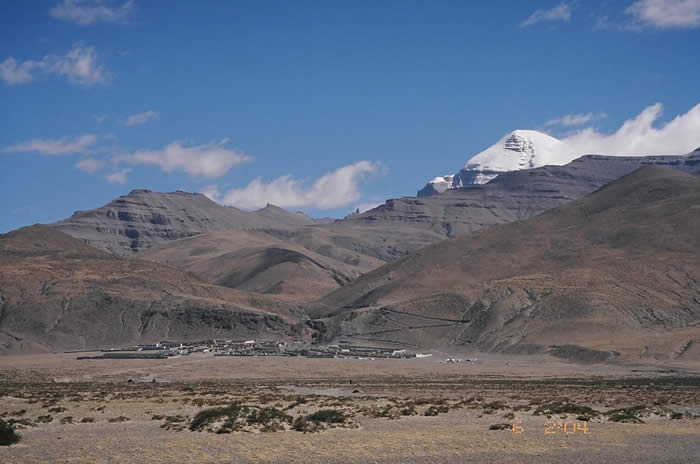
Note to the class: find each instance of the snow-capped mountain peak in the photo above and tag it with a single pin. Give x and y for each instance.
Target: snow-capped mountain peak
(521, 149)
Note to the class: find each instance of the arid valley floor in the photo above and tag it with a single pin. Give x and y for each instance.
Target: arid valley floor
(266, 409)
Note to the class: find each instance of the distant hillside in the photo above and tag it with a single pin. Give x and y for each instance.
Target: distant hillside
(58, 293)
(260, 262)
(613, 272)
(273, 251)
(136, 221)
(512, 196)
(308, 261)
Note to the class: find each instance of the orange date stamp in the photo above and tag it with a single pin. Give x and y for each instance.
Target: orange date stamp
(558, 427)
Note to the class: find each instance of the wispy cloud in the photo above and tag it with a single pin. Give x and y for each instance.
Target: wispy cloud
(90, 165)
(571, 120)
(100, 118)
(79, 65)
(362, 207)
(142, 118)
(91, 11)
(332, 190)
(118, 177)
(212, 192)
(561, 12)
(666, 14)
(62, 146)
(208, 160)
(638, 136)
(13, 73)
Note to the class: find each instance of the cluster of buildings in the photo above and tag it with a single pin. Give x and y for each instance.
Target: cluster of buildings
(166, 349)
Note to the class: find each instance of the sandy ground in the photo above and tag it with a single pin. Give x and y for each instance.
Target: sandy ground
(371, 393)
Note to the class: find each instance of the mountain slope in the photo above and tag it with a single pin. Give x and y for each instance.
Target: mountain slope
(307, 262)
(511, 196)
(56, 292)
(258, 261)
(279, 217)
(615, 271)
(136, 221)
(519, 150)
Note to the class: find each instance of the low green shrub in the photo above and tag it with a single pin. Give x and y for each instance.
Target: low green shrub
(502, 426)
(208, 416)
(436, 410)
(22, 423)
(495, 405)
(626, 415)
(8, 436)
(303, 424)
(328, 416)
(267, 415)
(118, 419)
(557, 407)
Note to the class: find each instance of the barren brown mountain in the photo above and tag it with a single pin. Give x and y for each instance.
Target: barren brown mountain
(142, 218)
(308, 260)
(260, 262)
(56, 292)
(614, 272)
(617, 272)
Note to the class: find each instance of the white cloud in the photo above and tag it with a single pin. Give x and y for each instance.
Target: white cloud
(209, 160)
(368, 206)
(570, 120)
(79, 65)
(212, 192)
(332, 190)
(100, 118)
(61, 146)
(638, 136)
(11, 73)
(91, 11)
(561, 12)
(118, 177)
(665, 14)
(142, 118)
(90, 165)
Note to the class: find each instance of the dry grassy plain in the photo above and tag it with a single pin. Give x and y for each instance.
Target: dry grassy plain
(392, 411)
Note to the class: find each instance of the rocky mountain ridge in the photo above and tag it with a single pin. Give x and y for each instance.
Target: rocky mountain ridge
(142, 218)
(611, 273)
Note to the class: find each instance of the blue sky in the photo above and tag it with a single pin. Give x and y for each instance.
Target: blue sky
(320, 106)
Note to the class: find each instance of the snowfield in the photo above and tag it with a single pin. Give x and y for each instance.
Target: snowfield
(521, 149)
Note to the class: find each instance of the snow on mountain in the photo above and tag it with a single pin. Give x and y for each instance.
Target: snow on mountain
(521, 149)
(442, 183)
(437, 185)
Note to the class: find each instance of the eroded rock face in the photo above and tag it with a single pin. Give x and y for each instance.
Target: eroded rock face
(514, 195)
(136, 221)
